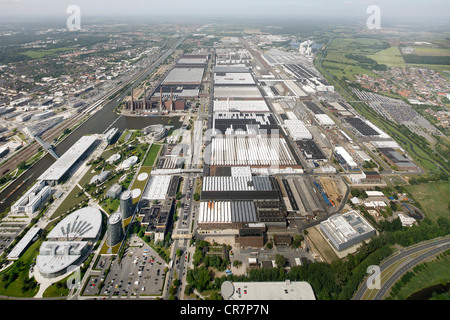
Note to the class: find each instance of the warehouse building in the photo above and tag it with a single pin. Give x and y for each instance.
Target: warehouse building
(60, 170)
(287, 290)
(395, 158)
(324, 120)
(251, 151)
(244, 123)
(238, 188)
(157, 219)
(297, 129)
(345, 158)
(346, 230)
(244, 106)
(223, 215)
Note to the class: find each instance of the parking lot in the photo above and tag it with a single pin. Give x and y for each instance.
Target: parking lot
(140, 273)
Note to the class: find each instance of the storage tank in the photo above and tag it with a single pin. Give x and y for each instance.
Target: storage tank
(126, 204)
(115, 229)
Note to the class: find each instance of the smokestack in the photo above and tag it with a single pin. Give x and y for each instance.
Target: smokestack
(160, 100)
(171, 100)
(132, 101)
(145, 98)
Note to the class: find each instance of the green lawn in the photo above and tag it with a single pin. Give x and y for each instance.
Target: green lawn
(152, 155)
(37, 54)
(433, 197)
(437, 271)
(69, 202)
(391, 57)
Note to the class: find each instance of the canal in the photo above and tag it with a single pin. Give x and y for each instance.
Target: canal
(96, 124)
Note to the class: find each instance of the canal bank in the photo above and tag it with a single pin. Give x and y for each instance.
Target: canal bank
(96, 124)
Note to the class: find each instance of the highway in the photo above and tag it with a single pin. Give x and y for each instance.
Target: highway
(433, 248)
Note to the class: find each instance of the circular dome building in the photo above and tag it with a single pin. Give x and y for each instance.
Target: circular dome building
(69, 242)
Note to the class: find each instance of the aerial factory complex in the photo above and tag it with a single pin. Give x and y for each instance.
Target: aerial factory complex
(199, 161)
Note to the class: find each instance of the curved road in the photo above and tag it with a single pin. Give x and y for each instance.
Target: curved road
(433, 248)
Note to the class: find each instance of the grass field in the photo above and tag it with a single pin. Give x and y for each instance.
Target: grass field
(151, 156)
(430, 51)
(391, 57)
(37, 54)
(433, 197)
(339, 66)
(436, 272)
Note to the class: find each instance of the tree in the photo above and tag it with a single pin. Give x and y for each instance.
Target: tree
(22, 165)
(280, 260)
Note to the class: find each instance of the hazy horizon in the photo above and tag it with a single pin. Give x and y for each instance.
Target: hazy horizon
(398, 10)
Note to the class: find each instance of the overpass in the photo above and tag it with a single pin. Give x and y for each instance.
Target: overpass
(47, 146)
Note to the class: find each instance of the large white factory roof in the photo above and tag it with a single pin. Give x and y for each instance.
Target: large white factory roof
(243, 183)
(297, 129)
(158, 187)
(249, 151)
(227, 212)
(287, 290)
(240, 105)
(23, 243)
(68, 159)
(233, 78)
(347, 226)
(84, 223)
(346, 156)
(184, 76)
(237, 92)
(324, 119)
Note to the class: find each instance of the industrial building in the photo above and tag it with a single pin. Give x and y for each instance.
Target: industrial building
(287, 290)
(158, 187)
(226, 214)
(396, 159)
(69, 242)
(32, 199)
(244, 92)
(297, 129)
(311, 150)
(157, 219)
(345, 158)
(238, 123)
(60, 170)
(184, 76)
(233, 214)
(347, 229)
(251, 151)
(324, 120)
(238, 188)
(243, 106)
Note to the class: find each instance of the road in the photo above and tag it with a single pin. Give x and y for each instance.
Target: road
(432, 248)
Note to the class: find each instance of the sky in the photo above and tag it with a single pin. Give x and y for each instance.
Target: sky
(315, 9)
